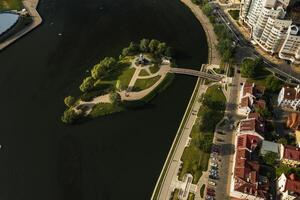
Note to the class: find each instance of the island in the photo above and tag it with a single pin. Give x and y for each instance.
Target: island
(115, 85)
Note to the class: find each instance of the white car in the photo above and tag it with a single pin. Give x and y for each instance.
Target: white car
(212, 183)
(214, 164)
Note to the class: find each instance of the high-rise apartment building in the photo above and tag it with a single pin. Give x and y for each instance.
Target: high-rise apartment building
(268, 27)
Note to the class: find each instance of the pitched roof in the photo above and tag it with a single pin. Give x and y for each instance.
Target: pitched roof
(291, 153)
(292, 184)
(245, 102)
(293, 121)
(289, 93)
(259, 104)
(252, 124)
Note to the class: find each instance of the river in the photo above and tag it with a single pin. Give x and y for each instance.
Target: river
(110, 158)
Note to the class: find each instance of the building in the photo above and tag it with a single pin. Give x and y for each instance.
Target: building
(268, 146)
(253, 125)
(269, 28)
(247, 181)
(249, 98)
(289, 97)
(288, 187)
(297, 136)
(290, 49)
(290, 155)
(293, 121)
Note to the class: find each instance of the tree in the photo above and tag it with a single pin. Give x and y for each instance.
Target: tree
(207, 9)
(169, 52)
(130, 50)
(144, 45)
(69, 101)
(70, 116)
(270, 158)
(87, 84)
(282, 141)
(249, 68)
(104, 67)
(273, 84)
(161, 49)
(115, 98)
(153, 45)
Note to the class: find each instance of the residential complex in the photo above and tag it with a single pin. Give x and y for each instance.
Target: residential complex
(288, 187)
(289, 97)
(269, 28)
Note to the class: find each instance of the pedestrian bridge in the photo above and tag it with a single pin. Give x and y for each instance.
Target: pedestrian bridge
(191, 72)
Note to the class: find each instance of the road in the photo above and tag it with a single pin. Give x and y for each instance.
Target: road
(228, 137)
(283, 70)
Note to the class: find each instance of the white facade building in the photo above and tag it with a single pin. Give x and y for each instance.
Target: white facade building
(289, 97)
(269, 29)
(288, 188)
(290, 49)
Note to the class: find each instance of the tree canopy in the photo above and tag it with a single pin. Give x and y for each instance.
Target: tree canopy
(87, 84)
(273, 84)
(115, 98)
(270, 158)
(69, 101)
(102, 69)
(250, 68)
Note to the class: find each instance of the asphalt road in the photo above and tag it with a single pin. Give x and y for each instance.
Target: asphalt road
(227, 146)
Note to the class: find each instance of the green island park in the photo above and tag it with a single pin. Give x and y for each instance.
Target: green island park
(115, 85)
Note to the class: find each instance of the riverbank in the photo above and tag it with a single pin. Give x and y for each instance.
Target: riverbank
(162, 187)
(211, 37)
(31, 7)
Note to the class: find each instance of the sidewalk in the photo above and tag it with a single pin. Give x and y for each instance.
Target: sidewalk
(30, 6)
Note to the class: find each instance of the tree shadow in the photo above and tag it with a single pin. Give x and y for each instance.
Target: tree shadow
(227, 149)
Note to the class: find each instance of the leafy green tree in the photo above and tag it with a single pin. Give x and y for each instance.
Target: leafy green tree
(282, 141)
(144, 45)
(153, 45)
(115, 98)
(69, 101)
(102, 69)
(273, 84)
(87, 84)
(207, 9)
(270, 158)
(249, 68)
(161, 49)
(70, 116)
(169, 52)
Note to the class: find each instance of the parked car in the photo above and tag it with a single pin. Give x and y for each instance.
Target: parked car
(212, 183)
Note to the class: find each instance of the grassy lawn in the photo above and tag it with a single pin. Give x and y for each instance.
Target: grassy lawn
(195, 157)
(142, 84)
(154, 69)
(126, 76)
(10, 5)
(234, 14)
(144, 73)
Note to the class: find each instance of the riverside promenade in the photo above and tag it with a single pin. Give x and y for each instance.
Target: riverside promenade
(165, 183)
(30, 6)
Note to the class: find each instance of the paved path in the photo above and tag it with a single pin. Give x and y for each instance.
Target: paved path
(172, 168)
(128, 95)
(30, 6)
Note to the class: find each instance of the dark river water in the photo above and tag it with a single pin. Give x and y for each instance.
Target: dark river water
(110, 158)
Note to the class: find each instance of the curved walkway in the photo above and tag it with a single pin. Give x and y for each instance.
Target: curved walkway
(30, 6)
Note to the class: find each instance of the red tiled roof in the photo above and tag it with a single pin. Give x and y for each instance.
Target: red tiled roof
(254, 115)
(246, 171)
(292, 184)
(293, 121)
(245, 102)
(248, 88)
(252, 124)
(291, 153)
